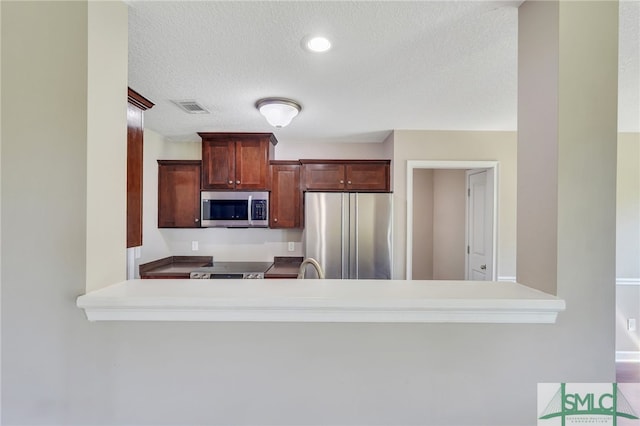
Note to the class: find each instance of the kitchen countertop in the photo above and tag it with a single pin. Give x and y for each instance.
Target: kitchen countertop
(278, 300)
(284, 267)
(174, 266)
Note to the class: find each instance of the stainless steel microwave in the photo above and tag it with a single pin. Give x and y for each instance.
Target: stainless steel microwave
(234, 209)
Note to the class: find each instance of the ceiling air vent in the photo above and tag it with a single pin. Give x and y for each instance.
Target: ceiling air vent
(191, 107)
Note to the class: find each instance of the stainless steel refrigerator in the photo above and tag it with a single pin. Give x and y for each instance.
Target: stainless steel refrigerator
(349, 234)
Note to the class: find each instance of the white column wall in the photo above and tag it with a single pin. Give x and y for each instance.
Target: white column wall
(538, 62)
(587, 141)
(106, 144)
(50, 355)
(574, 252)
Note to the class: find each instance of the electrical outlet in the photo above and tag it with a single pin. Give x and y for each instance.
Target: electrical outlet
(291, 246)
(194, 246)
(631, 324)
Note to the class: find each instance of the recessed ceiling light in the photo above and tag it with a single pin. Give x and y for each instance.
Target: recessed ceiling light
(317, 44)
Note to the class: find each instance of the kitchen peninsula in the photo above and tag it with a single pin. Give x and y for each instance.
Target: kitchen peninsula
(286, 300)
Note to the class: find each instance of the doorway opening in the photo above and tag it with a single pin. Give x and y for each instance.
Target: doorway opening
(452, 220)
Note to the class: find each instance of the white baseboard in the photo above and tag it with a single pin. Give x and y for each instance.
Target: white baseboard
(628, 281)
(627, 356)
(619, 281)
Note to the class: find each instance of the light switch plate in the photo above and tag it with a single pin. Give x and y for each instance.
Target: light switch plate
(631, 324)
(291, 246)
(194, 246)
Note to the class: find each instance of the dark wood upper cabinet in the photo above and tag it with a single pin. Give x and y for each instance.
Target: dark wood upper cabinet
(324, 176)
(179, 193)
(285, 204)
(368, 176)
(346, 175)
(137, 104)
(236, 160)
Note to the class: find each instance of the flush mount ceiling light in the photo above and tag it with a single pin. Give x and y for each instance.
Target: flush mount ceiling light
(316, 44)
(278, 111)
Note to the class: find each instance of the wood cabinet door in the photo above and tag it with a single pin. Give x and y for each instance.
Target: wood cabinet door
(252, 164)
(178, 194)
(285, 204)
(324, 177)
(367, 177)
(136, 106)
(134, 176)
(218, 165)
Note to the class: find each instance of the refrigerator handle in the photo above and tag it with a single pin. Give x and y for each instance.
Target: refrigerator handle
(344, 208)
(356, 244)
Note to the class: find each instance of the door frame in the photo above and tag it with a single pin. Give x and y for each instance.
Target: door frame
(453, 164)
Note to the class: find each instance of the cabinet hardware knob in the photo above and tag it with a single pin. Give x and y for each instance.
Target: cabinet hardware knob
(349, 182)
(230, 182)
(237, 182)
(483, 267)
(341, 181)
(197, 220)
(275, 219)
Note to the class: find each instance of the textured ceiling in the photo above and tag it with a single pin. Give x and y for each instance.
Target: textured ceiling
(448, 65)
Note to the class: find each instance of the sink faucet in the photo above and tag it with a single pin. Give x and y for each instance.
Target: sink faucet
(316, 265)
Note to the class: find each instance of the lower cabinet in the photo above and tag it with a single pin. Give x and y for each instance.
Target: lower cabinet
(285, 204)
(179, 193)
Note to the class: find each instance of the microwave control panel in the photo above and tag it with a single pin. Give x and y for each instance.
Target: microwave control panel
(259, 209)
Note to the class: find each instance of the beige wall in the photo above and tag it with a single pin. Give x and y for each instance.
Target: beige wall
(297, 151)
(439, 224)
(628, 306)
(628, 206)
(628, 241)
(0, 221)
(458, 145)
(449, 205)
(537, 145)
(423, 224)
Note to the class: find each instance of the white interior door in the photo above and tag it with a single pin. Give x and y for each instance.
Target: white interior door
(480, 204)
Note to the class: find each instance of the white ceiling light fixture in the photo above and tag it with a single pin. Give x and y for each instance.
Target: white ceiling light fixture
(278, 111)
(316, 44)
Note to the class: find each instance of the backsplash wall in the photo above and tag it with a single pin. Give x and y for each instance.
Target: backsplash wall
(254, 244)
